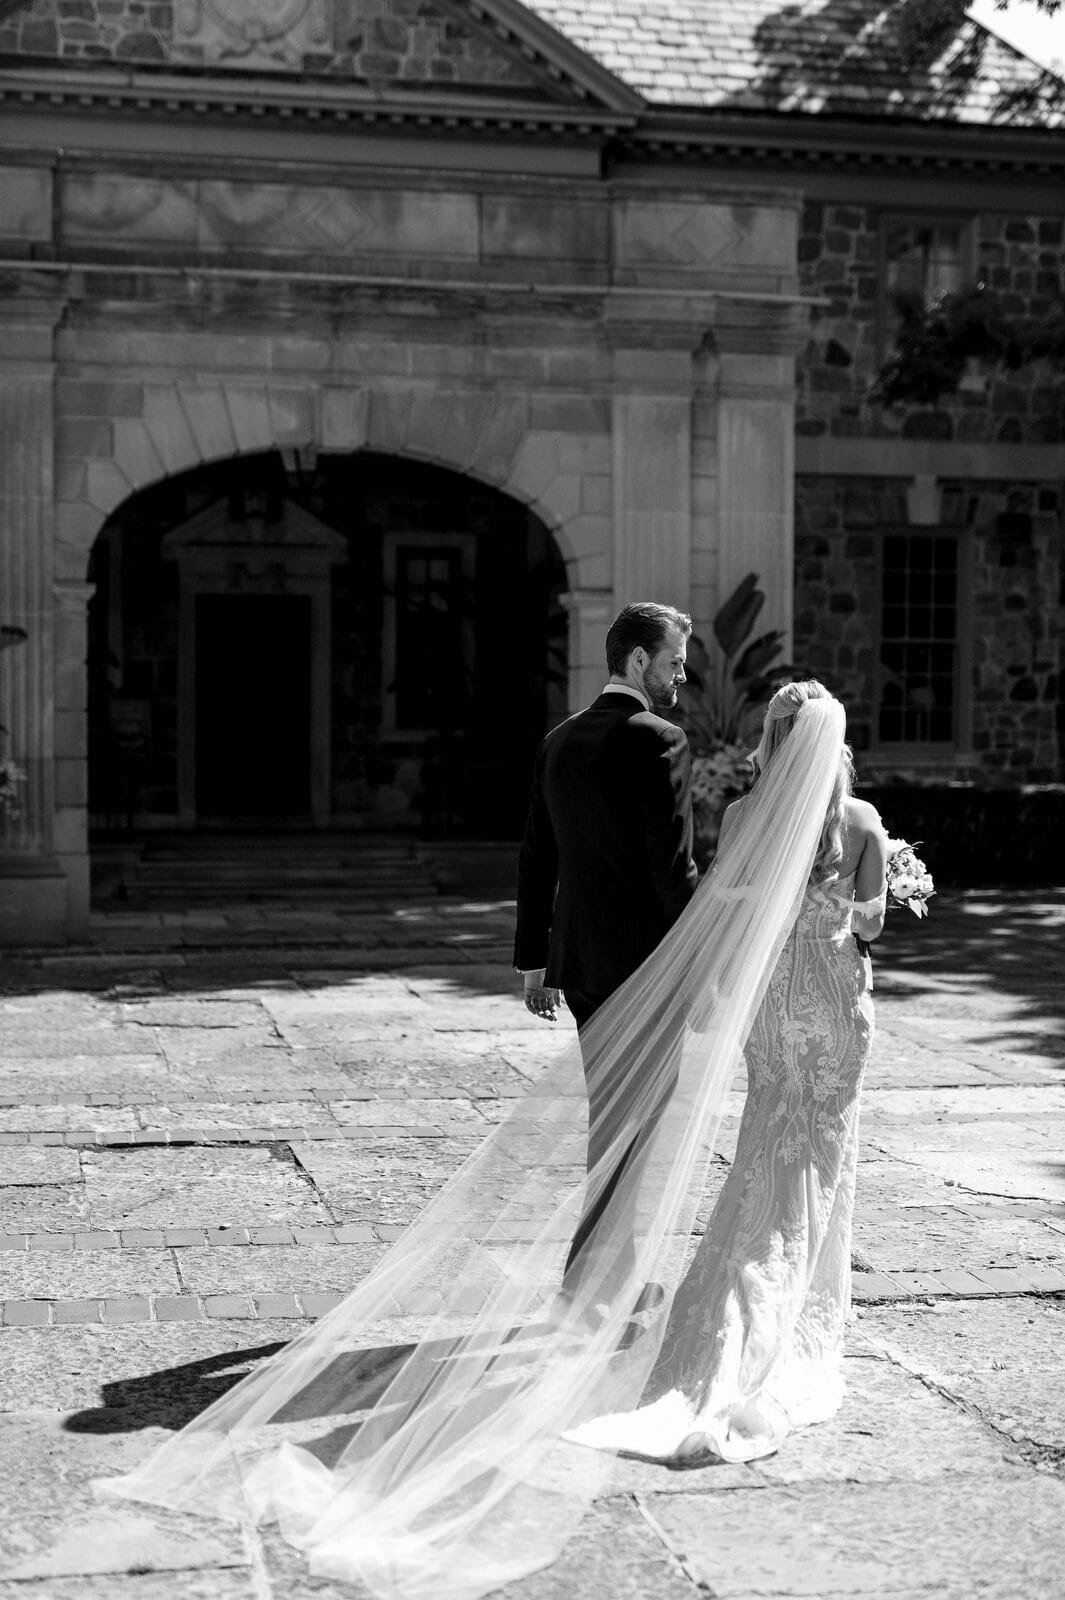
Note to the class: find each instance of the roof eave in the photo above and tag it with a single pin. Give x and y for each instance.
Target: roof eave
(168, 95)
(821, 139)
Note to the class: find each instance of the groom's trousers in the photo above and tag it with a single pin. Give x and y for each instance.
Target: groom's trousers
(583, 1007)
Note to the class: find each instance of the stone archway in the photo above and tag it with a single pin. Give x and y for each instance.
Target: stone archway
(115, 439)
(417, 657)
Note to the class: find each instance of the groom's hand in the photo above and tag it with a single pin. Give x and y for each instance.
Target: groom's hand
(540, 1001)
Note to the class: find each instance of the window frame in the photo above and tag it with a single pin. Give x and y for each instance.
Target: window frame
(429, 543)
(968, 223)
(910, 752)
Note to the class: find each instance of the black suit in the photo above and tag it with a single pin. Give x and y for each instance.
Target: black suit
(610, 830)
(606, 866)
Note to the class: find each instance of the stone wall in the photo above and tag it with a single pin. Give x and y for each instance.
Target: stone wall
(1021, 258)
(394, 41)
(1015, 613)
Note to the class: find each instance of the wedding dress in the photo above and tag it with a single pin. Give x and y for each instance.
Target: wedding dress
(753, 1346)
(414, 1439)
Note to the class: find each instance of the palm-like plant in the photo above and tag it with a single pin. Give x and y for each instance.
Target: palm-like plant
(726, 686)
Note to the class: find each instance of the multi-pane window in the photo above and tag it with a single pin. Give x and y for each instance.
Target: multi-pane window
(924, 258)
(430, 665)
(920, 639)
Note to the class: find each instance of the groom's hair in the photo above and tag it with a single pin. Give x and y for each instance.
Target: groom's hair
(645, 624)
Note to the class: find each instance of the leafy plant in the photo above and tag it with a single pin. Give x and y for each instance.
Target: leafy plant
(728, 683)
(936, 341)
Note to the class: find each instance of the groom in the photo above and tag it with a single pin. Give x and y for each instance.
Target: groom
(606, 866)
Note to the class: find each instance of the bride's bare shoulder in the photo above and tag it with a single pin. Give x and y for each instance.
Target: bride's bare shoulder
(862, 816)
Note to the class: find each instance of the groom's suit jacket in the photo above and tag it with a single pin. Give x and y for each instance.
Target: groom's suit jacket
(606, 866)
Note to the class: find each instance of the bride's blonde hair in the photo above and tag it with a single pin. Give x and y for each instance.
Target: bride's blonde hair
(779, 721)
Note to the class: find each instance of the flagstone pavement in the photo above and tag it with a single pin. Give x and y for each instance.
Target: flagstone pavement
(213, 1123)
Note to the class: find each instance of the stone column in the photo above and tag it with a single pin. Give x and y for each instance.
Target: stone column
(33, 891)
(652, 496)
(590, 614)
(70, 828)
(756, 477)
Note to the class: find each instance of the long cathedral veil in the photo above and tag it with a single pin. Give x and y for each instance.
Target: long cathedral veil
(412, 1439)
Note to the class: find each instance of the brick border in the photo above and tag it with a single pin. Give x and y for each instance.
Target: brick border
(99, 1139)
(191, 1238)
(304, 1304)
(167, 1308)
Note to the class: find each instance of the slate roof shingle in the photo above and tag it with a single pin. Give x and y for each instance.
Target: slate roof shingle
(871, 58)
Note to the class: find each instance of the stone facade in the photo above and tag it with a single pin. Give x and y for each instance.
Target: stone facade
(585, 351)
(1021, 257)
(417, 231)
(1010, 707)
(394, 41)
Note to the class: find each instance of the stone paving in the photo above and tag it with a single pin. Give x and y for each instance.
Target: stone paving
(212, 1124)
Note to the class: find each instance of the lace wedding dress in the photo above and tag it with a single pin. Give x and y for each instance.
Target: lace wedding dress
(753, 1346)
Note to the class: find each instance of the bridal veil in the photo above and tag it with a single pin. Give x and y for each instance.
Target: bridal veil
(411, 1439)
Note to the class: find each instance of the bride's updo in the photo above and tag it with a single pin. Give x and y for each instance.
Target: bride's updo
(779, 720)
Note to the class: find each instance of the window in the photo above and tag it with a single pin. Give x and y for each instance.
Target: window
(922, 259)
(922, 668)
(428, 638)
(925, 258)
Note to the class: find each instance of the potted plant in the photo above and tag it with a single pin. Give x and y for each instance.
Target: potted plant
(720, 706)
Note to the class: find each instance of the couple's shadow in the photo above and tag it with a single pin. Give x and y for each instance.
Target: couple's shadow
(350, 1385)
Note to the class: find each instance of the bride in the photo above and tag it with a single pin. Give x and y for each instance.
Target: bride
(430, 1437)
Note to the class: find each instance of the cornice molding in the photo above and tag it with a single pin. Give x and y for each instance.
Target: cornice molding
(940, 458)
(812, 144)
(604, 113)
(310, 104)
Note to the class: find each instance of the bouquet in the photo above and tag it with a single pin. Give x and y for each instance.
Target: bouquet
(909, 882)
(719, 776)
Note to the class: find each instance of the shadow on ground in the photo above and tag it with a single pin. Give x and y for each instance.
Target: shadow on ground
(1007, 943)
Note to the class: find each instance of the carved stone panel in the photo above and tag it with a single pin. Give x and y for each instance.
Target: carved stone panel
(260, 33)
(697, 236)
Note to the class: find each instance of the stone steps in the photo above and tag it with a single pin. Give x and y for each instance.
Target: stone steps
(282, 870)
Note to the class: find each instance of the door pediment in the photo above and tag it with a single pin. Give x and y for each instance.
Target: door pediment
(215, 550)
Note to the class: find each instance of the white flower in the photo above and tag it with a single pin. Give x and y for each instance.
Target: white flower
(904, 887)
(925, 884)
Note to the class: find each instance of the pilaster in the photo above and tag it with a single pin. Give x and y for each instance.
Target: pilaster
(591, 612)
(32, 885)
(652, 498)
(70, 830)
(756, 477)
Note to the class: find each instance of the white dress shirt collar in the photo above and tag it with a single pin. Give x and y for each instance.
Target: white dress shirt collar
(627, 688)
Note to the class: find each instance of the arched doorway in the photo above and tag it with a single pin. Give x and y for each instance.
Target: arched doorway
(358, 641)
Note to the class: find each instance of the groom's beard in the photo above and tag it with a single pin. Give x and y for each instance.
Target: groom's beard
(662, 696)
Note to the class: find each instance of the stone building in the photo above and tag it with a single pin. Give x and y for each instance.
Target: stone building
(358, 358)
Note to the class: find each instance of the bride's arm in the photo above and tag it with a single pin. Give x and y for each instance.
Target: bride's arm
(870, 884)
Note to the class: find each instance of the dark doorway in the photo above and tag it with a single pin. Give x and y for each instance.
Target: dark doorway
(444, 648)
(253, 706)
